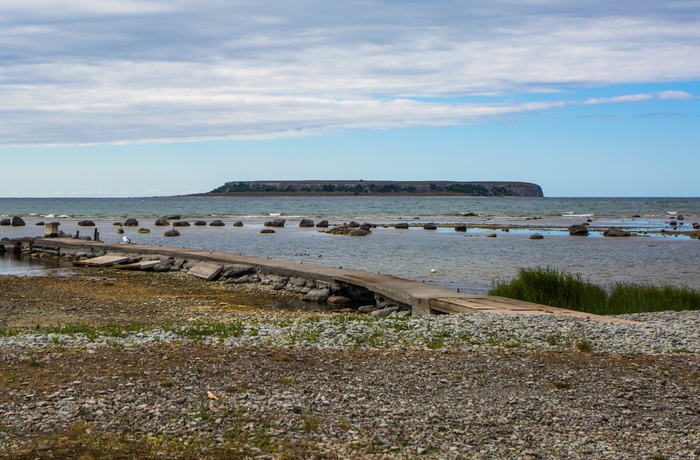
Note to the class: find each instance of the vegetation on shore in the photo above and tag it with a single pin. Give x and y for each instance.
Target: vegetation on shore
(556, 288)
(382, 187)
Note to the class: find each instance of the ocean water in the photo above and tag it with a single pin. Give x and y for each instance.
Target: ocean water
(470, 262)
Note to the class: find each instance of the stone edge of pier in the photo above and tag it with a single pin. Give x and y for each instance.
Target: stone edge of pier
(419, 298)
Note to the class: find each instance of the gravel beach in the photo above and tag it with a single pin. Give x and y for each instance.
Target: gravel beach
(109, 364)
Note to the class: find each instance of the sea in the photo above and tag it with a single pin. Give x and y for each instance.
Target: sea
(471, 261)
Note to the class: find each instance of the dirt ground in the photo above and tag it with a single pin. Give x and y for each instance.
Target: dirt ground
(100, 297)
(196, 401)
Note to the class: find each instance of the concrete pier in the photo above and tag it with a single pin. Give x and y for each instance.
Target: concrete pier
(422, 298)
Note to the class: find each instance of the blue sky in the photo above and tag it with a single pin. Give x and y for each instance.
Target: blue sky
(143, 98)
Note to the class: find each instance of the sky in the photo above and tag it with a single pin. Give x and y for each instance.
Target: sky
(111, 98)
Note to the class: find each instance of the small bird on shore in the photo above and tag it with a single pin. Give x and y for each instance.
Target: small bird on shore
(126, 239)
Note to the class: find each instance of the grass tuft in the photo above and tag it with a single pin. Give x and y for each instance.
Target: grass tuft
(549, 286)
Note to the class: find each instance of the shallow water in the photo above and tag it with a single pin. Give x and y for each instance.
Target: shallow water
(468, 261)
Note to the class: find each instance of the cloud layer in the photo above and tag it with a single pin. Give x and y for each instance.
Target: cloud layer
(79, 71)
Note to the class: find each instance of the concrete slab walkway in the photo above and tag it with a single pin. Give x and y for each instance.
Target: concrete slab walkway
(424, 298)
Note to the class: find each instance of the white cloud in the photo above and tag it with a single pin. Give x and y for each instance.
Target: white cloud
(625, 98)
(675, 95)
(119, 71)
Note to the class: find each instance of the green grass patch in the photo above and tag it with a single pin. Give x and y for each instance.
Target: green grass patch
(90, 332)
(8, 332)
(556, 288)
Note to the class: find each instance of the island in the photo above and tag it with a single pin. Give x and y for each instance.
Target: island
(362, 187)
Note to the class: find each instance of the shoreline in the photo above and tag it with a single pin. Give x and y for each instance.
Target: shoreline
(206, 375)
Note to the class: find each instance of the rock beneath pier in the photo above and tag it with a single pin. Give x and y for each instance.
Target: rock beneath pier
(236, 270)
(339, 301)
(578, 230)
(369, 308)
(384, 312)
(163, 266)
(317, 295)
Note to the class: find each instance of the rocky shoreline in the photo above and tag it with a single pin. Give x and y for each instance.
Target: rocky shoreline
(168, 365)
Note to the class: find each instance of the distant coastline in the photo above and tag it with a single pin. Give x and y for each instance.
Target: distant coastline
(376, 188)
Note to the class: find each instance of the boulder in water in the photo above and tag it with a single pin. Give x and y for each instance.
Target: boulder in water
(578, 230)
(616, 232)
(275, 223)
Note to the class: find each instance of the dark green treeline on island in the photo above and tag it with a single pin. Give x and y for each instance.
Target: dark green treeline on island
(362, 187)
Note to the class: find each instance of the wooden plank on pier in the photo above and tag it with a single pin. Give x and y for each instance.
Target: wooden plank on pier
(102, 261)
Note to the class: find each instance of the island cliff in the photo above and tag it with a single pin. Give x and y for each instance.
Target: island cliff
(362, 187)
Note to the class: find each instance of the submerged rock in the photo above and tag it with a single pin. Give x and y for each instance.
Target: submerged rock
(613, 231)
(349, 231)
(275, 223)
(578, 230)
